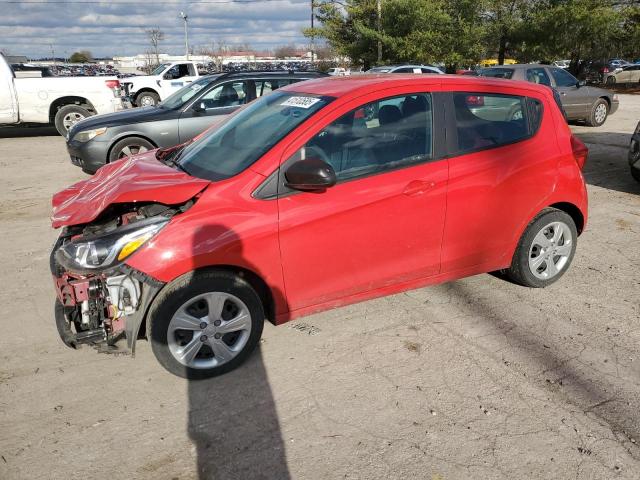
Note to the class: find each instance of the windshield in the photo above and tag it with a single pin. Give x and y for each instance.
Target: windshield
(186, 93)
(160, 68)
(240, 141)
(496, 72)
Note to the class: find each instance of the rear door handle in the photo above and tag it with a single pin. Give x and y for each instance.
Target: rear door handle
(418, 187)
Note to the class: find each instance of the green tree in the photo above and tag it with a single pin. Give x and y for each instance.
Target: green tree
(83, 56)
(411, 31)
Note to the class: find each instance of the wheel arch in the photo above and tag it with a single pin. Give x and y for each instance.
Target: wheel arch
(573, 211)
(256, 281)
(124, 137)
(60, 102)
(608, 100)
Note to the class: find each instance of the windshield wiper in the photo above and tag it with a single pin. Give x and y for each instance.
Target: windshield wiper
(171, 158)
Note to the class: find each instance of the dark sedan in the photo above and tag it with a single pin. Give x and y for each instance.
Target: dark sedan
(634, 154)
(104, 138)
(579, 101)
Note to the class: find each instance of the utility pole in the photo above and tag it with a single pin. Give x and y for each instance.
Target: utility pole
(379, 31)
(186, 35)
(53, 55)
(313, 40)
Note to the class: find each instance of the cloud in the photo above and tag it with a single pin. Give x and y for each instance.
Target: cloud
(117, 28)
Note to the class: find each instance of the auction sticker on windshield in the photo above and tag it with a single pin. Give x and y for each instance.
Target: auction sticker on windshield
(302, 102)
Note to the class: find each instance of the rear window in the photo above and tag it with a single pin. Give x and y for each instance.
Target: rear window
(490, 120)
(496, 72)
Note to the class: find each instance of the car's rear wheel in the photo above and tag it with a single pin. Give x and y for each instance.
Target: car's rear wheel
(128, 147)
(205, 324)
(635, 173)
(147, 99)
(545, 250)
(611, 80)
(68, 116)
(599, 112)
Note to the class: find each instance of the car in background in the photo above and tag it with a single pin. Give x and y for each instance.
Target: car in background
(54, 100)
(618, 63)
(564, 64)
(338, 72)
(579, 101)
(179, 118)
(165, 79)
(405, 69)
(634, 153)
(342, 190)
(627, 74)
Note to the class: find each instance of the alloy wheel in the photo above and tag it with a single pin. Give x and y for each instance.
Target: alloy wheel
(71, 119)
(209, 330)
(550, 250)
(130, 150)
(601, 113)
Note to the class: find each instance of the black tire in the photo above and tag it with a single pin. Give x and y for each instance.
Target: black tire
(189, 286)
(147, 99)
(592, 121)
(611, 80)
(132, 145)
(520, 272)
(75, 111)
(635, 173)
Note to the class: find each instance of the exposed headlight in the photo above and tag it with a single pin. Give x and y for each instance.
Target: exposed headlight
(108, 250)
(87, 135)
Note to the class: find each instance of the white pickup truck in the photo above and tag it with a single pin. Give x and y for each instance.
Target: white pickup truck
(147, 90)
(61, 101)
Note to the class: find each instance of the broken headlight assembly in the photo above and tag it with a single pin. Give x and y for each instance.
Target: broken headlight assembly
(101, 252)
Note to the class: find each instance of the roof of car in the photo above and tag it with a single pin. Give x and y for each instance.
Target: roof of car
(518, 66)
(339, 86)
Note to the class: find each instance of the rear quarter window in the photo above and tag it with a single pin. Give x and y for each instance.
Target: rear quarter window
(489, 120)
(496, 72)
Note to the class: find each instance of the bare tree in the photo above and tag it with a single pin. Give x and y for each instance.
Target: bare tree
(285, 51)
(155, 36)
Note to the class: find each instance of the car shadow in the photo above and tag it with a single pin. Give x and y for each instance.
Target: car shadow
(232, 420)
(35, 131)
(607, 165)
(595, 394)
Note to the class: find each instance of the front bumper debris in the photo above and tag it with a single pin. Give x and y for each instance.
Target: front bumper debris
(105, 309)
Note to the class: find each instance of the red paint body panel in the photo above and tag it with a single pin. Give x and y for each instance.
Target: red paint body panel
(134, 179)
(360, 239)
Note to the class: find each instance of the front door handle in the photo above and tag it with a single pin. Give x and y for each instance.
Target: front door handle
(418, 187)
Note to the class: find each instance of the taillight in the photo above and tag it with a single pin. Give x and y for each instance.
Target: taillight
(604, 70)
(580, 151)
(112, 83)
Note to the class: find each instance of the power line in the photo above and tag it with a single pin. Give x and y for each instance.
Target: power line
(131, 2)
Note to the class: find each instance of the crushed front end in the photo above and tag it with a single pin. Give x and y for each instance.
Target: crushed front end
(100, 300)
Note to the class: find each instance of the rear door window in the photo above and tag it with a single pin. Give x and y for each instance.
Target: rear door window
(264, 87)
(496, 72)
(539, 76)
(563, 78)
(490, 120)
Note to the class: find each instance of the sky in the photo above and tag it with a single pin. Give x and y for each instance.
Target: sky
(117, 28)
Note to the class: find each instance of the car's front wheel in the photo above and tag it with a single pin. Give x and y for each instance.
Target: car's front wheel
(545, 250)
(147, 99)
(205, 324)
(599, 112)
(128, 147)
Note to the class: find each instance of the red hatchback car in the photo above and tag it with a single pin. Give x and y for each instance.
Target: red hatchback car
(321, 194)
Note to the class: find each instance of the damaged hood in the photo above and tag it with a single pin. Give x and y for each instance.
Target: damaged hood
(137, 179)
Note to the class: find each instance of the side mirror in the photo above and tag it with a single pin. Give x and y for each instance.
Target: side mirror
(199, 107)
(310, 174)
(581, 83)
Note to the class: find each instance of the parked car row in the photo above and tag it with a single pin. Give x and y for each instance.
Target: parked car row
(580, 102)
(177, 119)
(322, 193)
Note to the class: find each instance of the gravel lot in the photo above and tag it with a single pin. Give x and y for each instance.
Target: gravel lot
(477, 378)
